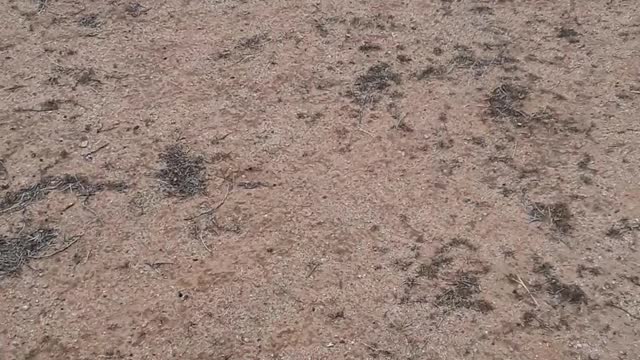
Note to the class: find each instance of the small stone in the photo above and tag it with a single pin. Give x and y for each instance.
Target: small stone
(84, 144)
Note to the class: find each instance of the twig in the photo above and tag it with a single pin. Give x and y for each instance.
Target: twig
(68, 207)
(87, 156)
(42, 5)
(158, 264)
(364, 131)
(204, 244)
(77, 237)
(613, 305)
(101, 130)
(527, 289)
(210, 211)
(14, 87)
(313, 269)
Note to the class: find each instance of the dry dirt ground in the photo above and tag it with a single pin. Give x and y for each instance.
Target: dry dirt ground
(319, 179)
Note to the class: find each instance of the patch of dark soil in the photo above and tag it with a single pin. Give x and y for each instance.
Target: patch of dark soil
(505, 101)
(77, 184)
(16, 251)
(462, 293)
(183, 174)
(556, 214)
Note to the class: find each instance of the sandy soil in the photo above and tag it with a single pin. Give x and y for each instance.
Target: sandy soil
(330, 179)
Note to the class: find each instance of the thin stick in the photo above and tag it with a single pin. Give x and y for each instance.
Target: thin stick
(313, 269)
(613, 305)
(77, 237)
(527, 289)
(204, 244)
(88, 155)
(210, 211)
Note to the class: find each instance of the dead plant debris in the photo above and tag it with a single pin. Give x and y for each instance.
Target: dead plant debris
(441, 259)
(505, 101)
(623, 227)
(77, 184)
(462, 293)
(134, 9)
(89, 21)
(570, 34)
(366, 47)
(16, 251)
(430, 72)
(561, 292)
(183, 175)
(377, 78)
(556, 214)
(254, 42)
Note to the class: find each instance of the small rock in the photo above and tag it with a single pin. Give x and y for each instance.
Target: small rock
(84, 144)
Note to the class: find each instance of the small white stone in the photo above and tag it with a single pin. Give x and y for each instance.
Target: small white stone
(84, 144)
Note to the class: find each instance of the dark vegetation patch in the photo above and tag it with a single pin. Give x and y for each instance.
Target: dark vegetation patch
(134, 9)
(366, 47)
(463, 292)
(559, 291)
(505, 101)
(623, 227)
(89, 21)
(77, 184)
(16, 251)
(404, 58)
(591, 270)
(183, 174)
(481, 10)
(569, 34)
(441, 258)
(377, 78)
(584, 163)
(557, 214)
(87, 77)
(254, 42)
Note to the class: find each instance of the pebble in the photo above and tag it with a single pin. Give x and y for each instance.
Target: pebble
(84, 144)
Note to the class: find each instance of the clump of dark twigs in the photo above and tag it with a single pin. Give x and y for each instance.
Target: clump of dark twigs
(17, 251)
(80, 185)
(182, 175)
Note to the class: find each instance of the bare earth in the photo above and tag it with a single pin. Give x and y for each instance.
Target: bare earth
(384, 179)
